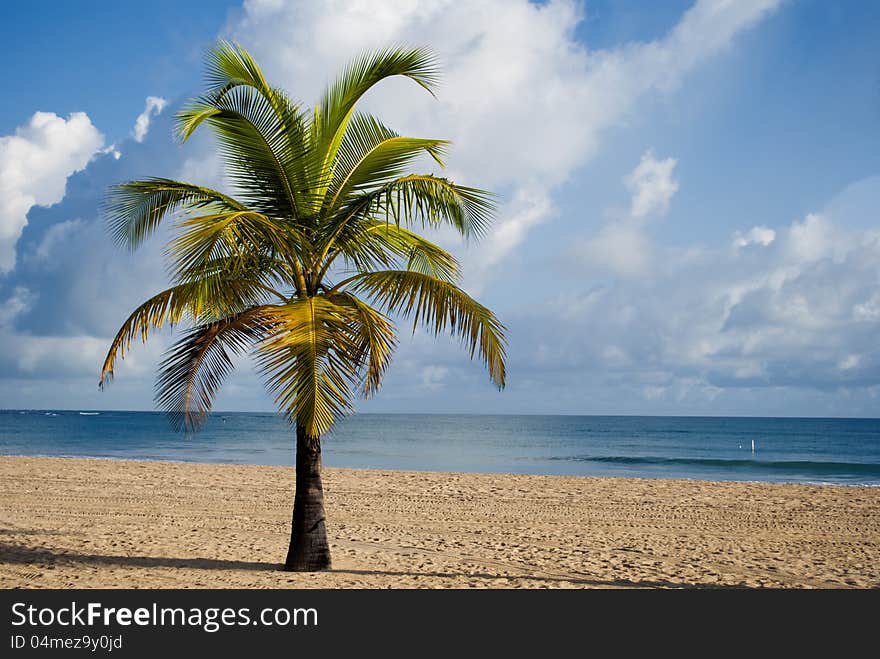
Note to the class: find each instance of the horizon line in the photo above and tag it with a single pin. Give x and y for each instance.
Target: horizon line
(563, 414)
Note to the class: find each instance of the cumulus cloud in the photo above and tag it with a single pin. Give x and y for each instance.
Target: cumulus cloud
(523, 100)
(652, 186)
(815, 238)
(72, 288)
(800, 313)
(529, 206)
(204, 169)
(622, 247)
(34, 165)
(869, 309)
(112, 150)
(434, 377)
(57, 235)
(17, 303)
(152, 108)
(27, 355)
(762, 236)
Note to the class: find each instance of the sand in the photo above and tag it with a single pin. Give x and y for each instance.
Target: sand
(121, 524)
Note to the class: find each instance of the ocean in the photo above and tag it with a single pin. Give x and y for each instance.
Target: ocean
(786, 450)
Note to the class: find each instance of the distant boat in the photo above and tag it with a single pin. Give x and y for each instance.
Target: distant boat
(51, 414)
(89, 413)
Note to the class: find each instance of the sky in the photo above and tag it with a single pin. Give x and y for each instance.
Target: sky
(688, 193)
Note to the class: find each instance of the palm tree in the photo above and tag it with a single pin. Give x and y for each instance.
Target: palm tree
(305, 266)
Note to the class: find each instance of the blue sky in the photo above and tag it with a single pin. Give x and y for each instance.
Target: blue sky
(688, 193)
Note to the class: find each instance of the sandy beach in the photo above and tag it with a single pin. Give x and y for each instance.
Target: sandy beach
(115, 524)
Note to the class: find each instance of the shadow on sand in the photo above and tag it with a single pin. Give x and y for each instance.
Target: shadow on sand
(12, 554)
(23, 555)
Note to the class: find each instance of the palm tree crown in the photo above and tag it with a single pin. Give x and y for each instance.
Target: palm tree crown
(306, 264)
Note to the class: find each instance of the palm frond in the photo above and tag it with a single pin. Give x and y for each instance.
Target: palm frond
(134, 209)
(307, 362)
(224, 286)
(165, 307)
(262, 161)
(194, 368)
(216, 294)
(310, 188)
(238, 238)
(230, 65)
(338, 101)
(434, 201)
(371, 154)
(422, 199)
(439, 306)
(373, 334)
(380, 242)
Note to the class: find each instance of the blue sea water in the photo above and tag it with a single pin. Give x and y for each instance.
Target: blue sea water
(834, 451)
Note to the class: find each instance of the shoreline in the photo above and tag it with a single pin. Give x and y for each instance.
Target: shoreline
(435, 471)
(110, 522)
(4, 410)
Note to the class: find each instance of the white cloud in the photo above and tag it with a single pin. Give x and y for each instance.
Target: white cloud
(204, 169)
(56, 235)
(524, 102)
(848, 362)
(152, 108)
(73, 288)
(869, 309)
(530, 206)
(814, 238)
(27, 355)
(622, 247)
(433, 377)
(16, 304)
(652, 186)
(113, 151)
(63, 355)
(802, 312)
(34, 165)
(754, 236)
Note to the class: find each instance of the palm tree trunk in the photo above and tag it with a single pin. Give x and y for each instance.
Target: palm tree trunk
(309, 550)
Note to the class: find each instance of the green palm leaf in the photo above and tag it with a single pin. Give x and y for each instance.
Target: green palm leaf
(338, 101)
(165, 307)
(378, 245)
(440, 306)
(309, 362)
(134, 209)
(372, 332)
(372, 153)
(234, 238)
(414, 199)
(436, 201)
(215, 295)
(259, 157)
(193, 368)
